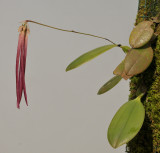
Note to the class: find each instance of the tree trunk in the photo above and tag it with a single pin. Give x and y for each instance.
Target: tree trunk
(148, 139)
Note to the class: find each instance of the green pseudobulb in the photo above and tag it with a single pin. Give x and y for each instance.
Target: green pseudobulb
(141, 34)
(135, 62)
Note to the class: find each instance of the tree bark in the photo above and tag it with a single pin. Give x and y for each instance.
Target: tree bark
(148, 139)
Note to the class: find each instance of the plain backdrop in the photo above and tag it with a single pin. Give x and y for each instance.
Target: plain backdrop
(65, 114)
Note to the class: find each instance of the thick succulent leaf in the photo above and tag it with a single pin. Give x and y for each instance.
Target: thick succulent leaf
(136, 61)
(125, 49)
(119, 69)
(126, 123)
(141, 34)
(88, 56)
(110, 84)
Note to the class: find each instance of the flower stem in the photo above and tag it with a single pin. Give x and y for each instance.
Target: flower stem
(82, 33)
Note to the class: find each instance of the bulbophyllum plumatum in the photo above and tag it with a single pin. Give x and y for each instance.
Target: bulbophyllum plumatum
(137, 59)
(21, 62)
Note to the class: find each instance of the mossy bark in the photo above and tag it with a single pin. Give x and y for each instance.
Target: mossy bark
(148, 139)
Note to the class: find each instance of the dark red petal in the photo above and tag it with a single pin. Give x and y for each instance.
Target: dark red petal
(20, 79)
(25, 94)
(17, 69)
(21, 72)
(24, 60)
(25, 51)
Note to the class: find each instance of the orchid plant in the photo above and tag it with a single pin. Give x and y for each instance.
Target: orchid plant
(129, 118)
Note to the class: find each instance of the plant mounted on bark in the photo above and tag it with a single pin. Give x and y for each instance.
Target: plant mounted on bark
(129, 119)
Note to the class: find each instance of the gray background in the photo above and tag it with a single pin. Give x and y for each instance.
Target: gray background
(64, 114)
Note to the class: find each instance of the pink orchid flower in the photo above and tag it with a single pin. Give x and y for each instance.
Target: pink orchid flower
(21, 63)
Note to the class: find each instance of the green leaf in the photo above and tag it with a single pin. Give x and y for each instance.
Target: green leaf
(125, 48)
(88, 56)
(136, 61)
(110, 84)
(126, 123)
(141, 34)
(119, 69)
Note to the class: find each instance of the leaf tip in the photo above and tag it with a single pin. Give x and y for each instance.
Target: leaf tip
(99, 92)
(68, 68)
